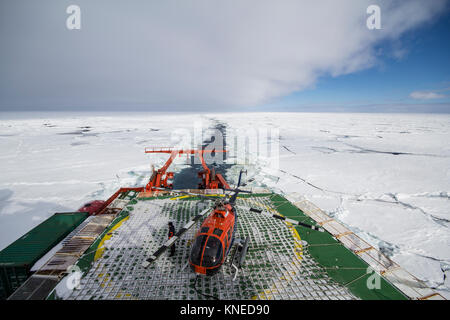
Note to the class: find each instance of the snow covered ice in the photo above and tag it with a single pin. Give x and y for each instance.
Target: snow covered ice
(385, 176)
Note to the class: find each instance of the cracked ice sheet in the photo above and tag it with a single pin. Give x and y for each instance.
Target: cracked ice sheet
(54, 162)
(436, 204)
(53, 165)
(337, 159)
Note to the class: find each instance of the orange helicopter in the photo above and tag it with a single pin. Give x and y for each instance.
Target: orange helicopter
(216, 236)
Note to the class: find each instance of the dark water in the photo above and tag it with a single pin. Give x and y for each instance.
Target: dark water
(187, 178)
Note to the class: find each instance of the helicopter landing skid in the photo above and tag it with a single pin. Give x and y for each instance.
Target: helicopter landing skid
(238, 258)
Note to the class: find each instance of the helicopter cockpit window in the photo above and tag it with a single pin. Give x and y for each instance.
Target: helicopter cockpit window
(197, 249)
(204, 230)
(218, 232)
(213, 252)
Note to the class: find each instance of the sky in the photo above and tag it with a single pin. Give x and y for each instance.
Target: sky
(253, 55)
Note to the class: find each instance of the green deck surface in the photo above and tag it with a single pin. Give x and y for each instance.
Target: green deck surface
(29, 248)
(341, 264)
(17, 259)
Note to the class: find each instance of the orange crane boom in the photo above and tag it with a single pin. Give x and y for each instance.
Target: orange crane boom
(159, 178)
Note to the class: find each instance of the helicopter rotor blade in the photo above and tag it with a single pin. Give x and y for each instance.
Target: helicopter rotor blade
(294, 222)
(236, 190)
(240, 176)
(174, 238)
(187, 193)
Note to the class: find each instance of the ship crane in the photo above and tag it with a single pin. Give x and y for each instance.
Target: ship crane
(161, 178)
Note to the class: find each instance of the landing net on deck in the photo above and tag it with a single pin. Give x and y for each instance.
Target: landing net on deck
(278, 264)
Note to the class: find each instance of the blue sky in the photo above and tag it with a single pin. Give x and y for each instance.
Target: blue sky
(423, 66)
(253, 55)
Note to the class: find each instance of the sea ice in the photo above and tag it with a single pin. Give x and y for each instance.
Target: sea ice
(386, 176)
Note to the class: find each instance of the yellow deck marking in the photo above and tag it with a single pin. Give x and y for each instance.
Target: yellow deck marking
(99, 253)
(180, 197)
(100, 249)
(430, 296)
(326, 221)
(343, 234)
(191, 195)
(268, 293)
(363, 250)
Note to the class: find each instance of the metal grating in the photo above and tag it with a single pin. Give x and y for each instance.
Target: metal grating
(77, 244)
(35, 288)
(278, 265)
(400, 278)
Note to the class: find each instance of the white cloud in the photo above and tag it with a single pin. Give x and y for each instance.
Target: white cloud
(210, 54)
(426, 95)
